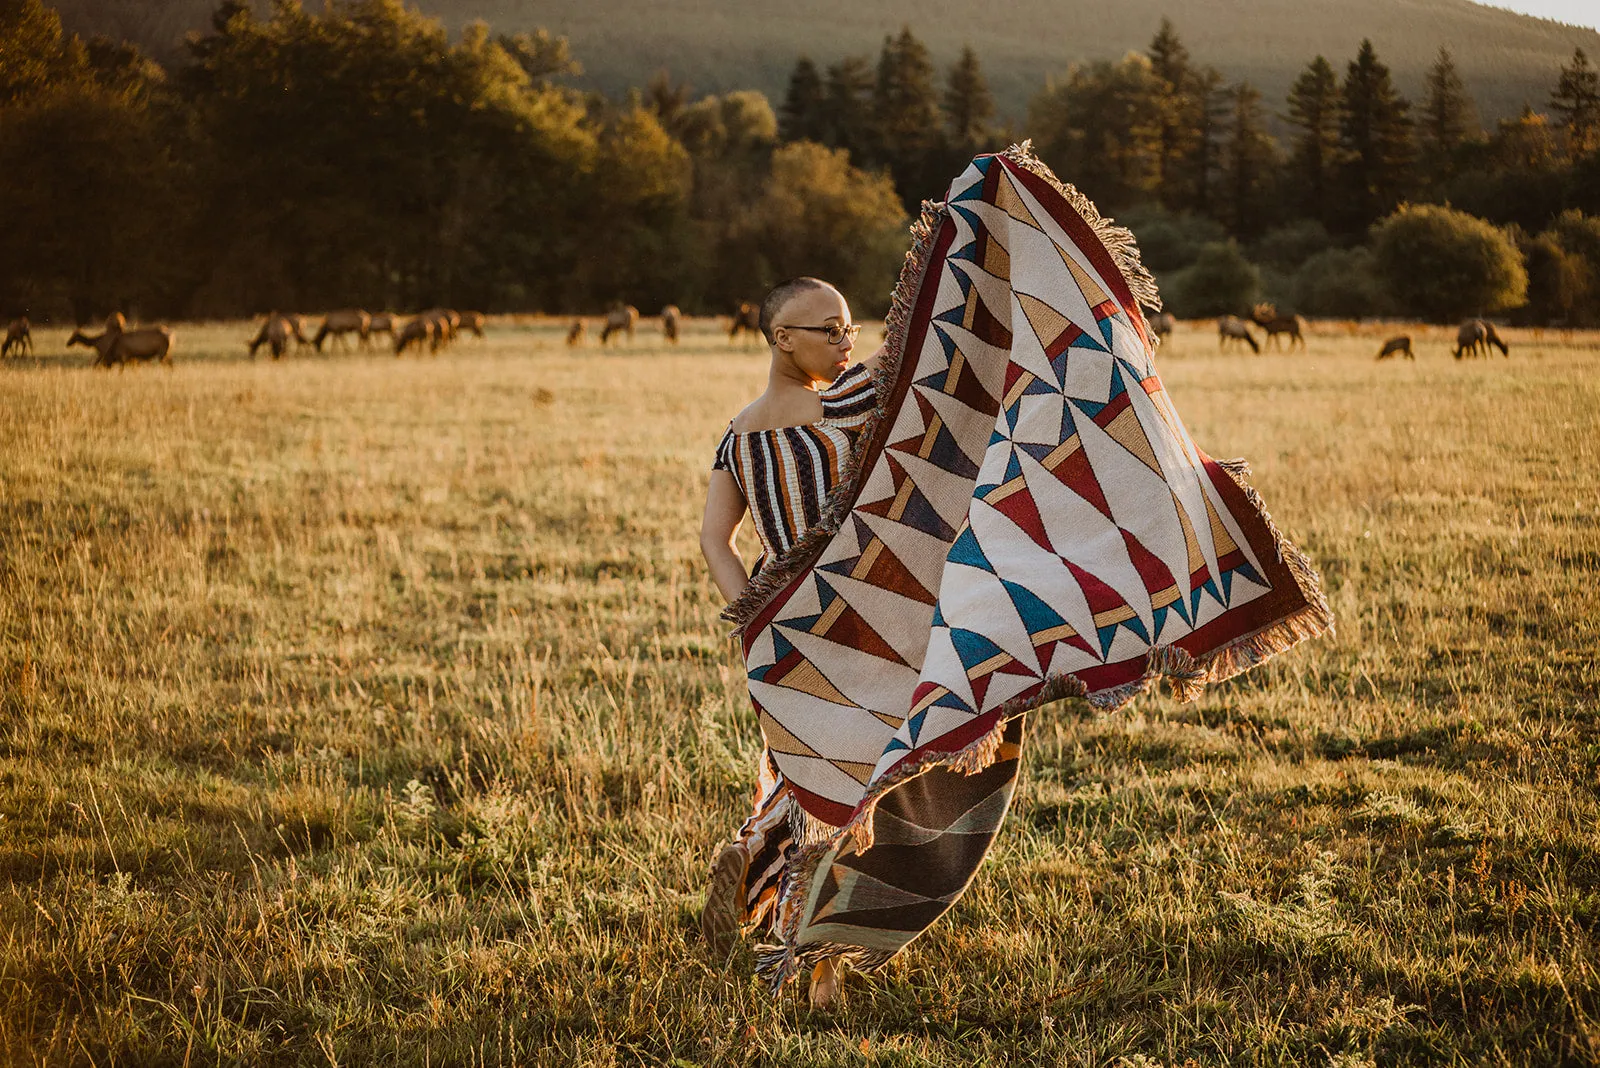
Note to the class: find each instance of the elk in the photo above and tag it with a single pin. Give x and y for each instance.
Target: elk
(473, 321)
(19, 336)
(1469, 339)
(623, 317)
(748, 317)
(382, 323)
(1475, 336)
(276, 332)
(1266, 316)
(1401, 344)
(424, 327)
(575, 333)
(1492, 338)
(1232, 328)
(449, 321)
(339, 323)
(1162, 324)
(670, 321)
(116, 345)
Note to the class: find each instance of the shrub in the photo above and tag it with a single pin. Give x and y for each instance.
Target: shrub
(1290, 246)
(1577, 237)
(1169, 242)
(1219, 282)
(1444, 265)
(1341, 283)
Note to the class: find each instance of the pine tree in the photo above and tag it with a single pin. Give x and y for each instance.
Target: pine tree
(1208, 114)
(905, 112)
(1248, 156)
(1375, 139)
(1577, 100)
(847, 109)
(1169, 62)
(968, 107)
(803, 116)
(904, 101)
(1448, 119)
(1314, 108)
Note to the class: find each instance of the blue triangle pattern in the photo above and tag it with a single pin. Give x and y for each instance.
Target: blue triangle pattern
(972, 647)
(966, 550)
(1035, 614)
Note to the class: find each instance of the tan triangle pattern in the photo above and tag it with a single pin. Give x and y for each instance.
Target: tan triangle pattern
(1220, 538)
(969, 315)
(861, 773)
(779, 740)
(1126, 431)
(1092, 290)
(995, 259)
(1047, 323)
(807, 679)
(1197, 559)
(1008, 200)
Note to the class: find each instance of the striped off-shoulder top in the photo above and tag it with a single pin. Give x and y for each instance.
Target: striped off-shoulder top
(785, 474)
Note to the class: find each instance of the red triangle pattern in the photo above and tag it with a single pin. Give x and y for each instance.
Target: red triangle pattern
(1020, 509)
(1155, 574)
(1077, 474)
(849, 629)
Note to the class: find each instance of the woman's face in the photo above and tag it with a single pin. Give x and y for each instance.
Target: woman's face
(816, 309)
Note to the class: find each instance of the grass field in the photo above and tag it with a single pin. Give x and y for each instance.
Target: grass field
(357, 710)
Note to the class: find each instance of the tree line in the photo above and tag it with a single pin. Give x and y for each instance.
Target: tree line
(361, 156)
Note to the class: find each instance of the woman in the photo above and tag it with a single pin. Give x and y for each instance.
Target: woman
(778, 460)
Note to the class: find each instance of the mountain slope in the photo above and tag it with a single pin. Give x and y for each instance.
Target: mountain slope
(1506, 58)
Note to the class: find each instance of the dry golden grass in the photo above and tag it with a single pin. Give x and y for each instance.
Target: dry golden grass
(358, 710)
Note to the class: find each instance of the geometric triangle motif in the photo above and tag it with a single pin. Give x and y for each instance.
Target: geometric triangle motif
(1109, 608)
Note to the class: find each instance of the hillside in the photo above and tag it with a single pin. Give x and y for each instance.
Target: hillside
(1506, 58)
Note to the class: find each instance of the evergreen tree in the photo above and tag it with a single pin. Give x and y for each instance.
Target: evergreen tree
(1577, 100)
(1102, 127)
(904, 101)
(1314, 109)
(905, 111)
(1208, 114)
(1375, 141)
(1169, 62)
(968, 107)
(1248, 158)
(847, 109)
(1448, 119)
(803, 116)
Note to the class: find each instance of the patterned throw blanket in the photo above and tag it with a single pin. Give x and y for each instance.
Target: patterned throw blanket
(1025, 519)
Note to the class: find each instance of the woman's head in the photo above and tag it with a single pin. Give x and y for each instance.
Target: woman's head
(807, 323)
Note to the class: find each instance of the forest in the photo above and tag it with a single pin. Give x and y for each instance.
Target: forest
(363, 155)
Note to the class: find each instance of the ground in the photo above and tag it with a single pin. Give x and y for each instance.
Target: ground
(363, 710)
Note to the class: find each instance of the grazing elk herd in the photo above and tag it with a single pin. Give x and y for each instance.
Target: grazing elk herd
(435, 329)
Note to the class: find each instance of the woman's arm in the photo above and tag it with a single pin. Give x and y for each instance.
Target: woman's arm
(871, 362)
(725, 510)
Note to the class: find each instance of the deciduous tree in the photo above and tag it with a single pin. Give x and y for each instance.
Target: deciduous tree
(1444, 265)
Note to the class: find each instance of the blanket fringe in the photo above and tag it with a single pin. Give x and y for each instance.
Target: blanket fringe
(1118, 240)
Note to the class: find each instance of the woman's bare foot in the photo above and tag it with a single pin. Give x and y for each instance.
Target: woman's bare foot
(825, 983)
(724, 911)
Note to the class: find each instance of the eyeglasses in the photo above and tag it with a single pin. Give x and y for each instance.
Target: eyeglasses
(835, 332)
